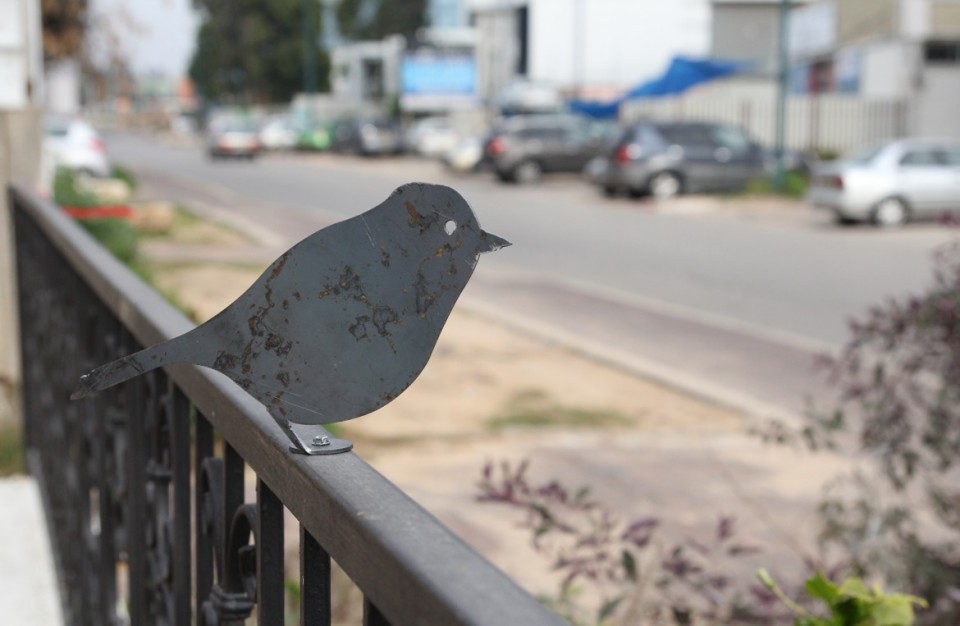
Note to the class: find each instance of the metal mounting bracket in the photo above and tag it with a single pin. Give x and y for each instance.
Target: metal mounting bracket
(314, 440)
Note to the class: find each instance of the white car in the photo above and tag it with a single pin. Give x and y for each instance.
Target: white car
(890, 183)
(432, 137)
(74, 144)
(279, 133)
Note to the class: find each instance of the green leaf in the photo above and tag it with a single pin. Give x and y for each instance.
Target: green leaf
(608, 608)
(822, 589)
(896, 610)
(854, 588)
(629, 565)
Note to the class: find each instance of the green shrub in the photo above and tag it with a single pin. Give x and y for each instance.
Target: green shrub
(794, 186)
(116, 235)
(125, 175)
(66, 192)
(11, 450)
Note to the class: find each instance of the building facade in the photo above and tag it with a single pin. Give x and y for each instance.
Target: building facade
(585, 48)
(748, 31)
(883, 50)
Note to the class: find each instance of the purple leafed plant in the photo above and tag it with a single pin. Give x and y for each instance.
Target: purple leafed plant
(630, 573)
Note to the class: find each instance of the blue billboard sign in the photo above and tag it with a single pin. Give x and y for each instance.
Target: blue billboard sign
(435, 80)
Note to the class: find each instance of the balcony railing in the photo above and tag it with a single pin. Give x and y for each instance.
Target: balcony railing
(144, 484)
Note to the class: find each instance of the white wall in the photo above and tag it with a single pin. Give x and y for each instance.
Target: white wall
(935, 107)
(885, 70)
(624, 42)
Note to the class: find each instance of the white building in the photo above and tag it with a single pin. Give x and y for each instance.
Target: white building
(905, 50)
(589, 48)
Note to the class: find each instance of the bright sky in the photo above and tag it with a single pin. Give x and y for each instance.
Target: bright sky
(153, 34)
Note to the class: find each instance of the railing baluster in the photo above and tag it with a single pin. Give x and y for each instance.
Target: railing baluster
(141, 483)
(203, 550)
(315, 609)
(233, 493)
(180, 460)
(372, 615)
(136, 498)
(270, 607)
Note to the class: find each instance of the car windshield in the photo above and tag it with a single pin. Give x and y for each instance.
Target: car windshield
(56, 127)
(235, 125)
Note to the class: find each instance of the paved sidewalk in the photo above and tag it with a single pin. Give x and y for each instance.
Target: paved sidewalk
(28, 588)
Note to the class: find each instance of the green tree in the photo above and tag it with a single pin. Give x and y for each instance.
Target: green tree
(375, 19)
(252, 50)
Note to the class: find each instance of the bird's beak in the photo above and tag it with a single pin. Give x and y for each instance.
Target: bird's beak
(491, 243)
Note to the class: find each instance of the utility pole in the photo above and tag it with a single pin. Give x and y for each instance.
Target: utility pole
(310, 46)
(579, 60)
(783, 70)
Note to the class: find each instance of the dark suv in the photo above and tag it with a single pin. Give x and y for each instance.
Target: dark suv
(520, 149)
(667, 159)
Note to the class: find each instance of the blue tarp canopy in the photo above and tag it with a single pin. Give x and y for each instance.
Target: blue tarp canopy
(682, 74)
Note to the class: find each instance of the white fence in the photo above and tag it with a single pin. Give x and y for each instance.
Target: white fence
(827, 122)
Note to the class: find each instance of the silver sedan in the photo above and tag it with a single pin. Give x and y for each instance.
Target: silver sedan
(891, 183)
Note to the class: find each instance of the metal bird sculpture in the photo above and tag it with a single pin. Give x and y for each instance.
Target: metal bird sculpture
(341, 323)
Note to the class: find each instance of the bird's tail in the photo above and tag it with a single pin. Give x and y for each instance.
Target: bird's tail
(123, 369)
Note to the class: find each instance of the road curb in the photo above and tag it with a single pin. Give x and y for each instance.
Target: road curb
(693, 386)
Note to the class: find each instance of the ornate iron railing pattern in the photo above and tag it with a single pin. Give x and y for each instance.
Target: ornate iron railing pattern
(147, 511)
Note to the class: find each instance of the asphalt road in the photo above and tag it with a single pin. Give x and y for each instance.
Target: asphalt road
(730, 303)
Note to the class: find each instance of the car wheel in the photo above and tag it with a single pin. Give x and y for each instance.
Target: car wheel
(890, 213)
(665, 185)
(609, 191)
(527, 172)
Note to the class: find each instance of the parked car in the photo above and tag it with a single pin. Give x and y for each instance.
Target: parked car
(891, 182)
(367, 137)
(75, 144)
(233, 136)
(465, 156)
(521, 149)
(665, 159)
(432, 137)
(279, 132)
(315, 136)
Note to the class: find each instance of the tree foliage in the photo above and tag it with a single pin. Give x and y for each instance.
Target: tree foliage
(253, 49)
(64, 23)
(376, 19)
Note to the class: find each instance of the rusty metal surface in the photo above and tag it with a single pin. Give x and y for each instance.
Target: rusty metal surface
(344, 321)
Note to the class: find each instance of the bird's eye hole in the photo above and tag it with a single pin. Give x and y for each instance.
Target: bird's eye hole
(450, 227)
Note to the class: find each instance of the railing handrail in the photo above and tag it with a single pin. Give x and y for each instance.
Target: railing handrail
(388, 544)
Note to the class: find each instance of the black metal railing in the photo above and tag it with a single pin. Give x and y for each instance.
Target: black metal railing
(144, 484)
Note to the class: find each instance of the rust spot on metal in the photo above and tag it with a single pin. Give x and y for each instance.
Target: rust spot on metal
(280, 263)
(286, 305)
(225, 361)
(359, 328)
(415, 216)
(296, 295)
